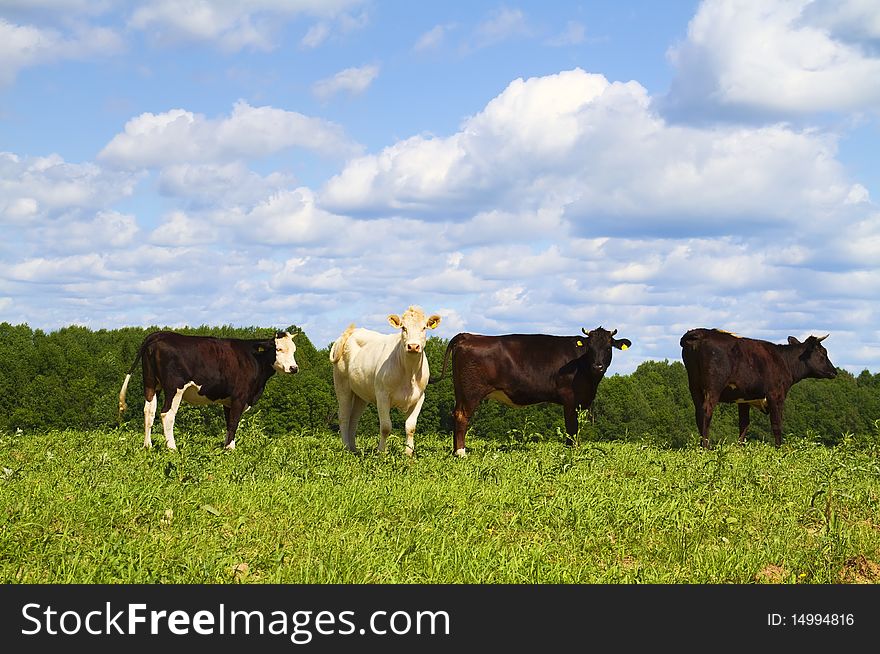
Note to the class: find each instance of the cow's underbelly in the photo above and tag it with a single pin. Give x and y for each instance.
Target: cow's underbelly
(501, 396)
(732, 394)
(192, 395)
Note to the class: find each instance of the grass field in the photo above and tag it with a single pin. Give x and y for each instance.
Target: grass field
(94, 507)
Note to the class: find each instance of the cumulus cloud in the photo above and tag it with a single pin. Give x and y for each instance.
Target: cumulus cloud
(33, 188)
(785, 57)
(231, 25)
(353, 81)
(22, 46)
(177, 136)
(597, 152)
(228, 183)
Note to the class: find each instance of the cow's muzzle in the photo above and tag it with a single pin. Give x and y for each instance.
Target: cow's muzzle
(293, 369)
(413, 347)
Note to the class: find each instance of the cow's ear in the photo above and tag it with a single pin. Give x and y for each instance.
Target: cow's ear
(793, 341)
(394, 321)
(621, 343)
(433, 321)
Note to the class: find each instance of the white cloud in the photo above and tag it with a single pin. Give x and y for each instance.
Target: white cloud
(316, 35)
(232, 25)
(106, 230)
(33, 188)
(177, 136)
(353, 81)
(595, 151)
(433, 38)
(22, 46)
(503, 24)
(225, 183)
(780, 57)
(573, 34)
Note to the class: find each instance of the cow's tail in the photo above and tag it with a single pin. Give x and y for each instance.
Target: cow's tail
(122, 405)
(339, 346)
(449, 347)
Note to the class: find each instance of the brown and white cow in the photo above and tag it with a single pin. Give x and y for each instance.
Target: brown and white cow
(387, 370)
(231, 372)
(726, 367)
(523, 369)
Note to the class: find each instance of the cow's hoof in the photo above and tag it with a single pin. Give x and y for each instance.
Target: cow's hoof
(461, 453)
(408, 450)
(231, 446)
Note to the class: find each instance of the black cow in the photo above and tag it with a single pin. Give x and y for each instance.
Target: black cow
(523, 369)
(725, 367)
(206, 370)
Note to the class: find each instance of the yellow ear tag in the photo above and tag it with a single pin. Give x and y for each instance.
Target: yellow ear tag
(624, 347)
(261, 349)
(580, 342)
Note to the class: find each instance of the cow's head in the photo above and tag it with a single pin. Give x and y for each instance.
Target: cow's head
(598, 344)
(815, 357)
(284, 349)
(413, 326)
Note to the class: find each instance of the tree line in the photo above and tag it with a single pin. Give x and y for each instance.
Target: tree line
(70, 378)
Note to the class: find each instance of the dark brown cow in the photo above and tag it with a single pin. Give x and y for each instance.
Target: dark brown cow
(205, 370)
(523, 369)
(725, 367)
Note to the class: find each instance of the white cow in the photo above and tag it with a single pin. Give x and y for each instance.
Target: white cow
(388, 370)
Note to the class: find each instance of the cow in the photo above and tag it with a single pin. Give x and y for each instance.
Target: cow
(726, 367)
(523, 369)
(388, 370)
(206, 370)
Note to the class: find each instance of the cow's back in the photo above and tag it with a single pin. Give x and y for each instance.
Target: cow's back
(715, 358)
(362, 357)
(528, 364)
(205, 360)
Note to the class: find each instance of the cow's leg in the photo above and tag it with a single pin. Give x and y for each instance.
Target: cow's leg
(775, 406)
(705, 406)
(169, 410)
(569, 412)
(383, 408)
(149, 416)
(462, 413)
(357, 410)
(411, 417)
(743, 421)
(233, 416)
(345, 400)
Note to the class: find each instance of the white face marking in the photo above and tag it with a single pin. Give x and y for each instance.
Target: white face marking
(284, 350)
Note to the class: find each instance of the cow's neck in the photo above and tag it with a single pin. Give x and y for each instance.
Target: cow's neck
(410, 365)
(265, 369)
(792, 356)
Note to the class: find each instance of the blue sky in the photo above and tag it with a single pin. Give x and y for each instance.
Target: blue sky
(514, 167)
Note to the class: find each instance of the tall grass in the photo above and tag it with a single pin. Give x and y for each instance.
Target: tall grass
(94, 507)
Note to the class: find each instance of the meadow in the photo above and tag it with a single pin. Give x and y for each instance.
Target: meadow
(92, 506)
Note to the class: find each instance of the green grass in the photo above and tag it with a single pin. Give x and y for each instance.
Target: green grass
(94, 507)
